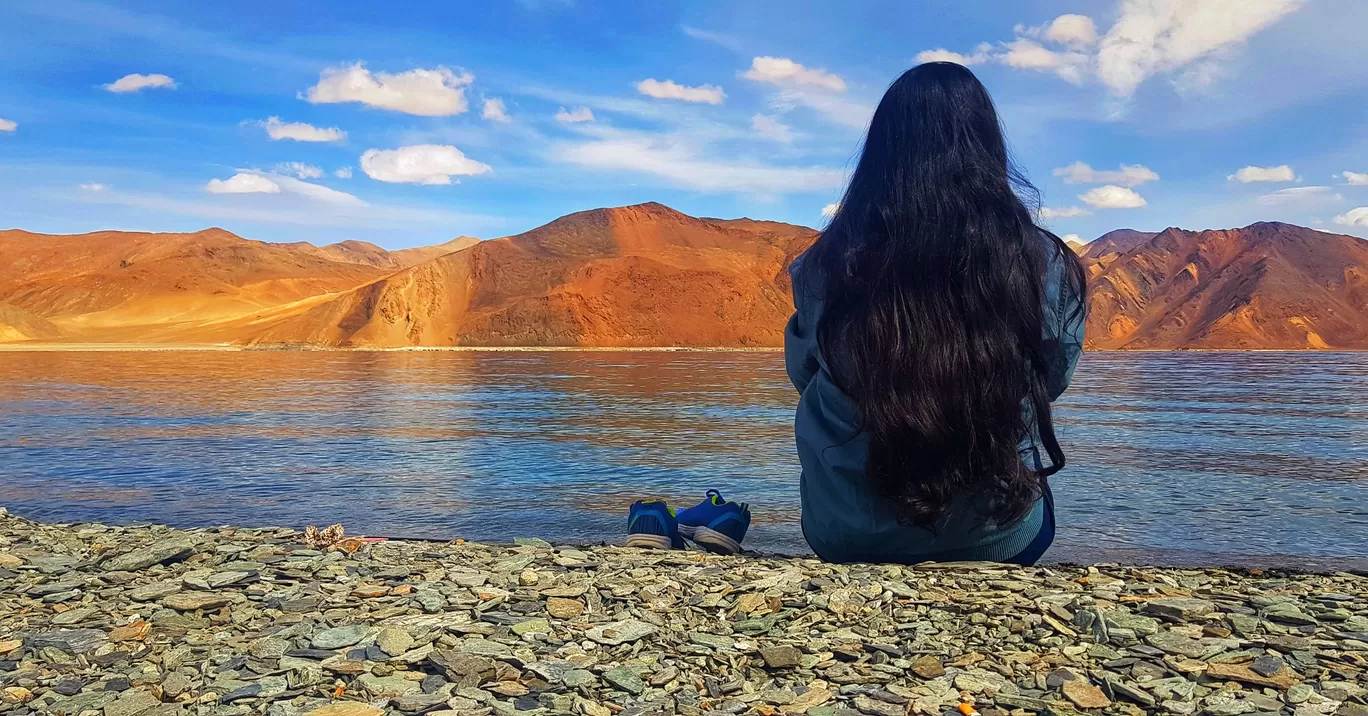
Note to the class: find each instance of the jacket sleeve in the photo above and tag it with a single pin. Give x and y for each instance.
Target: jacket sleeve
(1065, 319)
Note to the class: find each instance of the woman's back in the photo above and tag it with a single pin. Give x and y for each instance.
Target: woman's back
(935, 324)
(844, 518)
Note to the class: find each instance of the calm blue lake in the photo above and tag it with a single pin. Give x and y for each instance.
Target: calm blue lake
(1177, 458)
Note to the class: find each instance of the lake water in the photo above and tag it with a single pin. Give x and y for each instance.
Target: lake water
(1251, 458)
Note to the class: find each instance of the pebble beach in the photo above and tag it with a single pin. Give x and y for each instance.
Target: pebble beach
(141, 621)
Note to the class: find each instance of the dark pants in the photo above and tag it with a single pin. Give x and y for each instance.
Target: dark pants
(1036, 549)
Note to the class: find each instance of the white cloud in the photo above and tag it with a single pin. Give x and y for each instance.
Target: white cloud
(136, 82)
(1066, 213)
(242, 183)
(1190, 38)
(1127, 175)
(343, 173)
(830, 209)
(1304, 196)
(829, 104)
(438, 92)
(785, 72)
(1355, 178)
(1112, 197)
(1353, 217)
(669, 89)
(494, 110)
(1024, 54)
(771, 128)
(940, 54)
(581, 114)
(1264, 174)
(1072, 30)
(251, 181)
(300, 169)
(1159, 36)
(95, 186)
(680, 160)
(1073, 237)
(300, 132)
(316, 192)
(420, 164)
(7, 125)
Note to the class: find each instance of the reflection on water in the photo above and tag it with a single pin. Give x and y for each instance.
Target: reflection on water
(1175, 457)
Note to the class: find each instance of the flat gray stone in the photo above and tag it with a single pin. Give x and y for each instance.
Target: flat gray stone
(339, 637)
(144, 557)
(623, 632)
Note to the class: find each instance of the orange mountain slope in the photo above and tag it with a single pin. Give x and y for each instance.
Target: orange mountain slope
(643, 275)
(138, 287)
(1269, 286)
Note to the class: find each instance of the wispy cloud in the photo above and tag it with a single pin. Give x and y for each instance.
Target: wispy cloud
(574, 116)
(1302, 196)
(1065, 213)
(494, 110)
(681, 161)
(300, 131)
(8, 125)
(785, 72)
(728, 42)
(1191, 40)
(1127, 175)
(137, 83)
(669, 89)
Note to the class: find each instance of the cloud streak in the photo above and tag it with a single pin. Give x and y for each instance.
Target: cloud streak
(300, 132)
(669, 89)
(137, 83)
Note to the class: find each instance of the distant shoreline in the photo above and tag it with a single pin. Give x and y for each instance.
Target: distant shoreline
(32, 347)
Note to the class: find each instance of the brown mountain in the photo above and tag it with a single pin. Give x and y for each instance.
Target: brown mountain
(1115, 242)
(362, 252)
(136, 287)
(1268, 285)
(643, 275)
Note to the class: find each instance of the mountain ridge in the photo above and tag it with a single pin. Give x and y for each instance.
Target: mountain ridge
(643, 275)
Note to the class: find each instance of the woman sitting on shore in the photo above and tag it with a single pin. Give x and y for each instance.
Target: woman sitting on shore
(935, 324)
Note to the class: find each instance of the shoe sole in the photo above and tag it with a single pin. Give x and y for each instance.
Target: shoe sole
(649, 542)
(687, 531)
(715, 541)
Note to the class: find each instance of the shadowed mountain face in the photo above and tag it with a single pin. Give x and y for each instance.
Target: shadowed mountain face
(1268, 285)
(642, 275)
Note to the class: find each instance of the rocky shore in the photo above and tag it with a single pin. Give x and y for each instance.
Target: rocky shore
(144, 621)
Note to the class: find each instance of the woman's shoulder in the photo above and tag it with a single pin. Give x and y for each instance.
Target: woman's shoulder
(806, 277)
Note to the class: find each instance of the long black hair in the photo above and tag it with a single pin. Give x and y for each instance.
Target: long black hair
(933, 273)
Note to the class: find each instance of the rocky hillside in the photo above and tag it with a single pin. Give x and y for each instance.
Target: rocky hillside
(1267, 286)
(643, 275)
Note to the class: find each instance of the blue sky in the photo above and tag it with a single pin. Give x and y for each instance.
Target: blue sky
(410, 123)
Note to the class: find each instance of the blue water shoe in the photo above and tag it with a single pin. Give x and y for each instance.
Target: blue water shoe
(651, 524)
(715, 524)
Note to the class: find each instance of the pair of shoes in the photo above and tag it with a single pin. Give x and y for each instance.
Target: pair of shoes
(714, 524)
